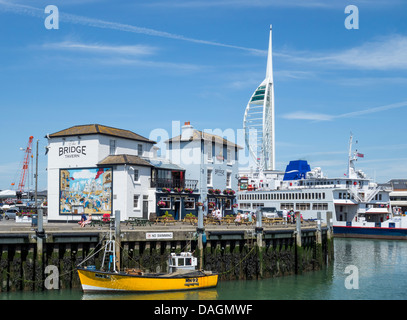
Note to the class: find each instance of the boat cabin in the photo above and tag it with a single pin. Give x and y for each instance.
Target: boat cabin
(182, 261)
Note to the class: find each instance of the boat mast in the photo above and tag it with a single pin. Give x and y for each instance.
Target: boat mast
(110, 252)
(350, 154)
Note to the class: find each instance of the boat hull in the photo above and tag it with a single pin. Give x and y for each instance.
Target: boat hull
(370, 232)
(93, 281)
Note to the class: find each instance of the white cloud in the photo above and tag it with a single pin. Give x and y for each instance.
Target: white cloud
(102, 48)
(102, 24)
(385, 53)
(301, 115)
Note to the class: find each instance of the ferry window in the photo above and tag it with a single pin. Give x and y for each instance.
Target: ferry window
(340, 195)
(323, 195)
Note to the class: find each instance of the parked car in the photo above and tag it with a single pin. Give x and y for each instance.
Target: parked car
(270, 212)
(10, 213)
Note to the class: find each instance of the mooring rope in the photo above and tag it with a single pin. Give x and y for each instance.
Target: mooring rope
(230, 270)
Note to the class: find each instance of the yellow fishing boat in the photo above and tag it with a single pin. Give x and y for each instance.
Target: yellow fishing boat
(182, 275)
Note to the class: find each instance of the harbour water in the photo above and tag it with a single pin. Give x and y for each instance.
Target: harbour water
(362, 270)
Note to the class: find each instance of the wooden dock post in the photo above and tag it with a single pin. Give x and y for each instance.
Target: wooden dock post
(329, 224)
(200, 231)
(319, 230)
(298, 228)
(117, 237)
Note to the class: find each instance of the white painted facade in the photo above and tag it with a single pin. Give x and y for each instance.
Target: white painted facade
(87, 151)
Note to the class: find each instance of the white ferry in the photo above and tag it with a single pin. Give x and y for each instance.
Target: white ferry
(359, 206)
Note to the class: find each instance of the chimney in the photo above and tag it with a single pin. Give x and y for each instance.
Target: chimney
(187, 131)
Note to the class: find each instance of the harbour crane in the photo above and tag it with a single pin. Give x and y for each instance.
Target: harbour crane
(24, 170)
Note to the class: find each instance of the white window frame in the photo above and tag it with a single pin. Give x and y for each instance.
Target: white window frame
(136, 173)
(136, 203)
(140, 150)
(228, 179)
(229, 156)
(190, 200)
(209, 177)
(209, 155)
(166, 199)
(112, 147)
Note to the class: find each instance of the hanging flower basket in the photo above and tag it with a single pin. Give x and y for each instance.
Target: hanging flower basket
(199, 204)
(161, 204)
(188, 190)
(211, 205)
(229, 192)
(168, 190)
(211, 191)
(217, 191)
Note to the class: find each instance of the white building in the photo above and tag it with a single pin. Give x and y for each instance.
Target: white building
(98, 169)
(211, 162)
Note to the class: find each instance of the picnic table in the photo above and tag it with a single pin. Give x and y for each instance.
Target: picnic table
(137, 221)
(101, 222)
(272, 220)
(211, 220)
(165, 220)
(191, 220)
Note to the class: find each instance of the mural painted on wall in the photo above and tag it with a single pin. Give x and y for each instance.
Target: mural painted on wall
(85, 190)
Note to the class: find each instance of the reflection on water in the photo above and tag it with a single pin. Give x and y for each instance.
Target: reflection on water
(381, 265)
(204, 294)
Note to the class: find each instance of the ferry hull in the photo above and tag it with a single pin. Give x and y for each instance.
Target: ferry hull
(93, 281)
(370, 233)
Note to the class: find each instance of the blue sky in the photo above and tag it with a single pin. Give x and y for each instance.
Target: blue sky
(139, 65)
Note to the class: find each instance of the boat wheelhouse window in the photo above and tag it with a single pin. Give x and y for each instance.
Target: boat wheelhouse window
(174, 261)
(181, 262)
(188, 262)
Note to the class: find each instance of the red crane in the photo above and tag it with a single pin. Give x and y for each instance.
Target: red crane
(23, 176)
